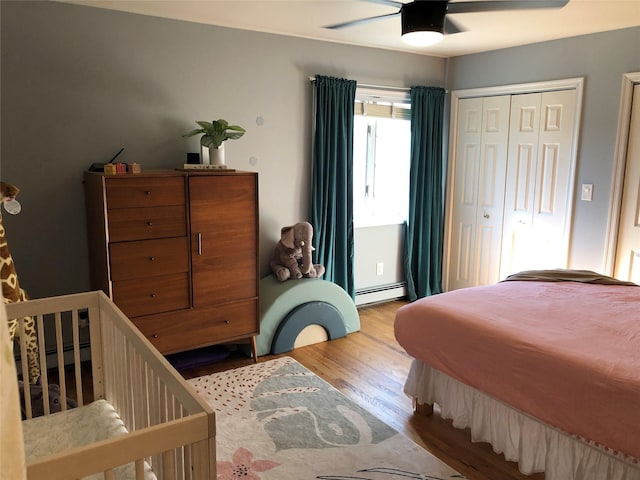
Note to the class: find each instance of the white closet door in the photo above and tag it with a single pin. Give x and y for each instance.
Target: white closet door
(481, 153)
(539, 181)
(627, 265)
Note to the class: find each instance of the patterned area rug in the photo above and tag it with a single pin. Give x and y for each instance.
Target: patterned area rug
(277, 420)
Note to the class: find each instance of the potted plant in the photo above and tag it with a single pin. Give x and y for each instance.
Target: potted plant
(214, 134)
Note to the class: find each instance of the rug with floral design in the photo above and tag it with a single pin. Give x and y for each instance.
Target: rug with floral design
(277, 420)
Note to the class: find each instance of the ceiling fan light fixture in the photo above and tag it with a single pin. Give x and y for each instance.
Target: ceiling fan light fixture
(422, 38)
(423, 22)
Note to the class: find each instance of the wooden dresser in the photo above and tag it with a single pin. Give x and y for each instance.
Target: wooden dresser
(178, 253)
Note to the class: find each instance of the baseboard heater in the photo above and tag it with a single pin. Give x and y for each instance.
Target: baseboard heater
(381, 293)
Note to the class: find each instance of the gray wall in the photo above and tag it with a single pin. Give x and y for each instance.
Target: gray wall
(601, 59)
(78, 83)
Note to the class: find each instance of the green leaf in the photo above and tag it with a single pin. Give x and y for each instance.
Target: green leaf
(234, 136)
(194, 132)
(216, 132)
(207, 126)
(222, 124)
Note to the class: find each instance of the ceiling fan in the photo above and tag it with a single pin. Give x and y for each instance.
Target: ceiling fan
(425, 22)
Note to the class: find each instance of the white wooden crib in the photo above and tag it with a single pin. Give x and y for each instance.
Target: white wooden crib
(157, 426)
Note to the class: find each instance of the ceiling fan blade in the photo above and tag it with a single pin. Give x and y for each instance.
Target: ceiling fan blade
(498, 5)
(451, 27)
(361, 21)
(390, 3)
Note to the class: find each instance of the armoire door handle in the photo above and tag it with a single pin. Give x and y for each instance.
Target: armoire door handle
(199, 240)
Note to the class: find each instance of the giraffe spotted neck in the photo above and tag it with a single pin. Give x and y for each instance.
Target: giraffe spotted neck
(8, 274)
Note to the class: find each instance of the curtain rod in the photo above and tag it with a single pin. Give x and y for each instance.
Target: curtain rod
(377, 87)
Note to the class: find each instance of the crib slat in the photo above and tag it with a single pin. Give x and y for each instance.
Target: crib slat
(61, 373)
(44, 372)
(95, 337)
(26, 390)
(24, 358)
(186, 462)
(139, 469)
(168, 465)
(75, 327)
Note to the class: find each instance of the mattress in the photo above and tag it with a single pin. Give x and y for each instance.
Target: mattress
(62, 431)
(563, 352)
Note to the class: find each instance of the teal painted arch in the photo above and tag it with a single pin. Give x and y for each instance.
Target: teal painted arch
(322, 314)
(278, 299)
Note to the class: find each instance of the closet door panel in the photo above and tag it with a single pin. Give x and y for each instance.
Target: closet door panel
(520, 183)
(465, 193)
(554, 179)
(491, 184)
(539, 182)
(482, 133)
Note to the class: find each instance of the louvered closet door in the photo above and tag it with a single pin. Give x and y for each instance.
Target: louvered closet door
(478, 197)
(628, 251)
(539, 181)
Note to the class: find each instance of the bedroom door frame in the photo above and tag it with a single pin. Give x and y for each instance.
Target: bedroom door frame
(576, 83)
(629, 80)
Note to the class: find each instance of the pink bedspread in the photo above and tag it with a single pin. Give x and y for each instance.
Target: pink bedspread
(567, 353)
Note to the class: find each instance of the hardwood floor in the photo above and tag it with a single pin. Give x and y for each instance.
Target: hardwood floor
(370, 367)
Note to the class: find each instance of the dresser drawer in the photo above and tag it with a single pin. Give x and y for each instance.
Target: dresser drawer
(127, 192)
(147, 258)
(190, 329)
(152, 295)
(146, 223)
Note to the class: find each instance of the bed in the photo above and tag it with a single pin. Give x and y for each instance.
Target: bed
(545, 367)
(136, 417)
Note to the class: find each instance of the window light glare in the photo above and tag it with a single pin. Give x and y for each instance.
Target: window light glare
(422, 38)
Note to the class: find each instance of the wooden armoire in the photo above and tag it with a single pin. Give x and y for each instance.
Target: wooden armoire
(178, 253)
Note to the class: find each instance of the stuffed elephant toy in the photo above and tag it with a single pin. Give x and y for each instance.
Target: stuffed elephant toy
(292, 255)
(37, 400)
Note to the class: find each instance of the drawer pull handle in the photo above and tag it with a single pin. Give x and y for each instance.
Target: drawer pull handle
(199, 241)
(154, 335)
(150, 224)
(147, 192)
(152, 258)
(227, 322)
(153, 295)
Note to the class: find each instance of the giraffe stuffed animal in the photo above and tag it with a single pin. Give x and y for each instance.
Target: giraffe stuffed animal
(12, 292)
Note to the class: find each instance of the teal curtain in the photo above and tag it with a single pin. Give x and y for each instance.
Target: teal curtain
(425, 223)
(332, 179)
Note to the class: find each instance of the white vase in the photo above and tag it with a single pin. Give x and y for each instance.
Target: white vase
(212, 156)
(216, 156)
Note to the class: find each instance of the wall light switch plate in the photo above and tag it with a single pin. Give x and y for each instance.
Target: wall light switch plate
(587, 192)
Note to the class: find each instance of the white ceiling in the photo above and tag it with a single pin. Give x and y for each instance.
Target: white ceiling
(306, 18)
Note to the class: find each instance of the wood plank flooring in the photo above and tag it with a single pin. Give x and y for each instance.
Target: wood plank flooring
(370, 367)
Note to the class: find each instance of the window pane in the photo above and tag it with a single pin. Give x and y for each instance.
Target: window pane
(381, 170)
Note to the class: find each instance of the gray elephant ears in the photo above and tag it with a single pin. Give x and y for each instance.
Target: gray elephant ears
(287, 237)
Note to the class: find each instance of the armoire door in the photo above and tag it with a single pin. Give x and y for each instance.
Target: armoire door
(627, 262)
(539, 181)
(223, 218)
(478, 191)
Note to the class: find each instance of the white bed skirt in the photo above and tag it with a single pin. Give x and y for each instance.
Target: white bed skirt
(533, 444)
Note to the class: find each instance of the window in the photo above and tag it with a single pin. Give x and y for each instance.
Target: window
(381, 158)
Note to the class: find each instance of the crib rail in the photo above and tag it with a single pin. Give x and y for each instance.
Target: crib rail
(171, 429)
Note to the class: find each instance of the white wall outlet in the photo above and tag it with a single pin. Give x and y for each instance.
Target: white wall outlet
(379, 268)
(587, 192)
